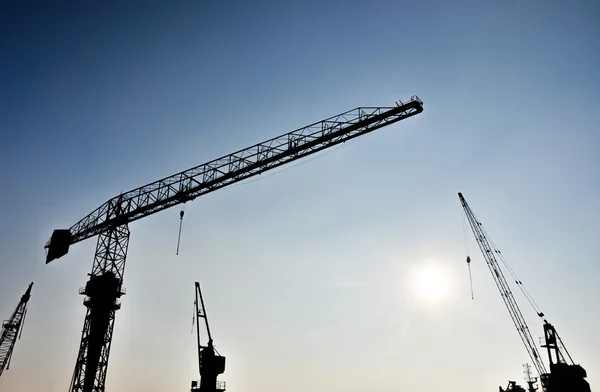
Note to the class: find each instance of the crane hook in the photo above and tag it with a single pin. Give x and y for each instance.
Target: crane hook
(181, 213)
(470, 277)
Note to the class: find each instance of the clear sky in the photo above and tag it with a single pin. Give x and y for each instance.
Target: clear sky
(310, 275)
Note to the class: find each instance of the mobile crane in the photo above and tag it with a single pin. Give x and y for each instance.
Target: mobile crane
(110, 221)
(563, 376)
(12, 329)
(210, 362)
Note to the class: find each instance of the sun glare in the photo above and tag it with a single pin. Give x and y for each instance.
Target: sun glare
(431, 283)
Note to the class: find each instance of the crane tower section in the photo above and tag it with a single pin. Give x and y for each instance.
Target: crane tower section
(110, 221)
(11, 330)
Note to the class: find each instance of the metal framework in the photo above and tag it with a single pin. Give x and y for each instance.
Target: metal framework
(11, 330)
(102, 293)
(210, 362)
(110, 220)
(189, 184)
(509, 300)
(555, 346)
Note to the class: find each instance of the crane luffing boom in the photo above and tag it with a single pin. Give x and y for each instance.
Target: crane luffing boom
(216, 174)
(201, 314)
(511, 304)
(11, 329)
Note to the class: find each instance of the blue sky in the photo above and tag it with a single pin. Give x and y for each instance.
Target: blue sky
(309, 274)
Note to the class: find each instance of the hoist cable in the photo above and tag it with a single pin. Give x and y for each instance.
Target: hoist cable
(179, 236)
(513, 274)
(466, 240)
(471, 281)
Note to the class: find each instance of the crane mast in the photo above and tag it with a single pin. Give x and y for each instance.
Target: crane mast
(509, 300)
(110, 221)
(11, 330)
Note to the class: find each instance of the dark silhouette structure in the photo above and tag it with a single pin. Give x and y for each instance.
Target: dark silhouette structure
(563, 376)
(12, 329)
(512, 387)
(110, 221)
(210, 363)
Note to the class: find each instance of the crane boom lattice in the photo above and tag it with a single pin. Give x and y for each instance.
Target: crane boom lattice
(224, 171)
(11, 329)
(110, 221)
(488, 252)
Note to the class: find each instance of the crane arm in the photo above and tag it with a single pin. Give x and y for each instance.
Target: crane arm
(201, 313)
(509, 300)
(11, 329)
(219, 173)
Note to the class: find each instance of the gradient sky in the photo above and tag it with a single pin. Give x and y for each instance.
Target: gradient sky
(309, 274)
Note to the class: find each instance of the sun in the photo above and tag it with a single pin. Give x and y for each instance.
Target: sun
(431, 283)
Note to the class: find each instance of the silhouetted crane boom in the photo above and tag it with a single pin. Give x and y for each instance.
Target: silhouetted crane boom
(216, 174)
(110, 222)
(11, 329)
(511, 304)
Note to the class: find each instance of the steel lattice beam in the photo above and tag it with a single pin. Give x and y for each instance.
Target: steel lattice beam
(110, 220)
(221, 172)
(11, 329)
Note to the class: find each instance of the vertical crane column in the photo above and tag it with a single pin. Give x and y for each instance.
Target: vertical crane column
(102, 291)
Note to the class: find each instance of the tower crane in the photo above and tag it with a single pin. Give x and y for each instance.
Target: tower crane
(563, 376)
(110, 221)
(12, 329)
(210, 362)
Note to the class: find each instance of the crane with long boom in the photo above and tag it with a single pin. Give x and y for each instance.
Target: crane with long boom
(563, 376)
(210, 362)
(12, 329)
(489, 253)
(110, 221)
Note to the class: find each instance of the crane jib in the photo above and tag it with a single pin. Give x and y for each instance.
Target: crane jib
(12, 329)
(187, 185)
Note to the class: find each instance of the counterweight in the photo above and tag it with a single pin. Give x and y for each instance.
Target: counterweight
(11, 329)
(110, 221)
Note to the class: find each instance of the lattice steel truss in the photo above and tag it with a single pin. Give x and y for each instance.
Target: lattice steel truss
(102, 293)
(218, 173)
(11, 329)
(110, 220)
